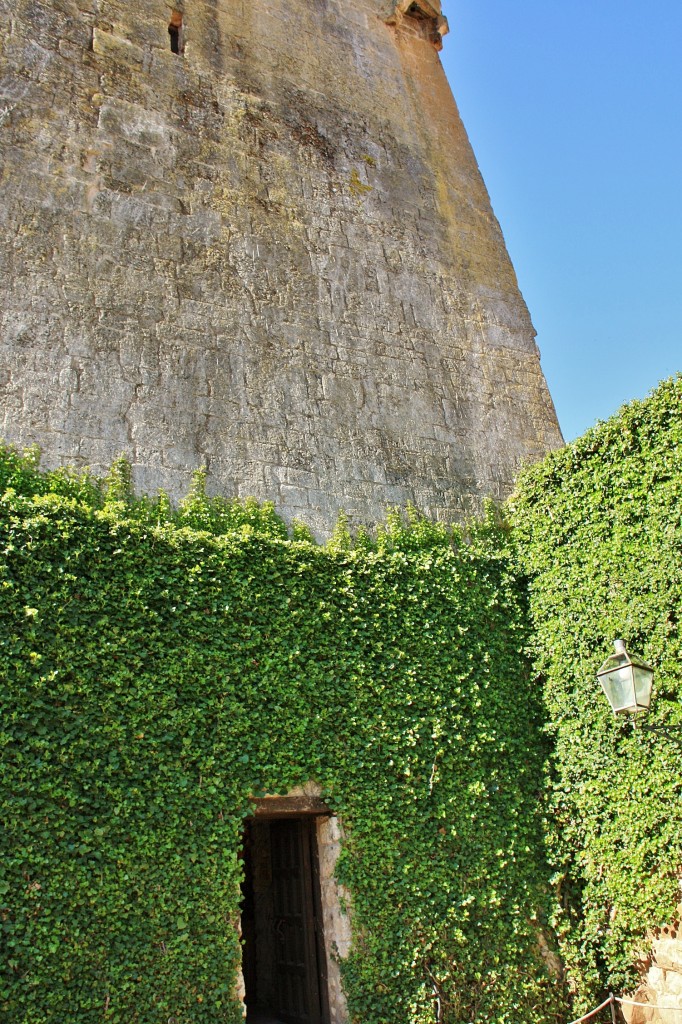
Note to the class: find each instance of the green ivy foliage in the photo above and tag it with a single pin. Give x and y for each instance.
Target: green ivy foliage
(161, 667)
(599, 525)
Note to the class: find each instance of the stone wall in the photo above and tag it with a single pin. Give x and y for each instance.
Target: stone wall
(661, 986)
(270, 254)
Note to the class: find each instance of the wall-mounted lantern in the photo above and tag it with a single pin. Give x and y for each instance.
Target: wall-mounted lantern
(626, 680)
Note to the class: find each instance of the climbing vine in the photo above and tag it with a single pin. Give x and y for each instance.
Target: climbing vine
(161, 667)
(599, 527)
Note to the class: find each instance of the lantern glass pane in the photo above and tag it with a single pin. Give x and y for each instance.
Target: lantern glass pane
(643, 680)
(619, 688)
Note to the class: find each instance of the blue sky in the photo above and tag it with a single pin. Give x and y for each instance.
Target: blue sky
(574, 111)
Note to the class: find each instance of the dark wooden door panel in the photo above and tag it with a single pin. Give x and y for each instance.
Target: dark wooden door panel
(296, 969)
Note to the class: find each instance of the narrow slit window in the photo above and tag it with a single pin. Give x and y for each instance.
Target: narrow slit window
(175, 32)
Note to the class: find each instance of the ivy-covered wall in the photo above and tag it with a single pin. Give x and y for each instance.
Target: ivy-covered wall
(599, 525)
(160, 668)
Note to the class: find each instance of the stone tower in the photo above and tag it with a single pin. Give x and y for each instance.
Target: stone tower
(251, 235)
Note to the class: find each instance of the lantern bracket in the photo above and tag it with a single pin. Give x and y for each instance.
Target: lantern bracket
(671, 732)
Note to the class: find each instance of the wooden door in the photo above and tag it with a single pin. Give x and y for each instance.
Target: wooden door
(297, 987)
